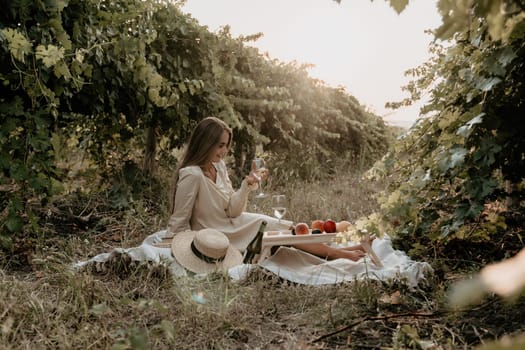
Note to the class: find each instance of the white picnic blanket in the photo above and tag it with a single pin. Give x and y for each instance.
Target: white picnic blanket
(295, 265)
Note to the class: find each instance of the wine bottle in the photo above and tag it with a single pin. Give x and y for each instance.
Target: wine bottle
(254, 248)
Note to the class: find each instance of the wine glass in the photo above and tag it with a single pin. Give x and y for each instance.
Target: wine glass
(257, 164)
(279, 206)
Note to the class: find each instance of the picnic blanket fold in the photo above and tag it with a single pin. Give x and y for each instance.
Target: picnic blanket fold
(294, 265)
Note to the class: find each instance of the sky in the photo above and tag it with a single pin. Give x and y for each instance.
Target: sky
(362, 45)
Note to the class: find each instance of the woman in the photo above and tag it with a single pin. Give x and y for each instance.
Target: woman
(203, 196)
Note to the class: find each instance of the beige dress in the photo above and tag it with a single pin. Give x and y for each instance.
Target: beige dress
(201, 203)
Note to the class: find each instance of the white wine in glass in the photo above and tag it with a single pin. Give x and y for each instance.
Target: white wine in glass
(257, 164)
(279, 206)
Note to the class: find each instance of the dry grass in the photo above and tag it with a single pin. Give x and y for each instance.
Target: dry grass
(344, 196)
(141, 306)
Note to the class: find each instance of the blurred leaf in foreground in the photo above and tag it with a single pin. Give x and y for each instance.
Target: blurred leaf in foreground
(506, 278)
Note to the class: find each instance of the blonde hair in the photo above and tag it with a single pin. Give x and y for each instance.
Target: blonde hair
(206, 135)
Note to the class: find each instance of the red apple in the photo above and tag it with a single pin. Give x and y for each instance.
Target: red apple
(317, 225)
(329, 226)
(302, 229)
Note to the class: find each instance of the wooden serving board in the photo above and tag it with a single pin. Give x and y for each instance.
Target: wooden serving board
(285, 237)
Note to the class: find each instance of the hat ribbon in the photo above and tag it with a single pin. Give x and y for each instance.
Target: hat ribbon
(203, 257)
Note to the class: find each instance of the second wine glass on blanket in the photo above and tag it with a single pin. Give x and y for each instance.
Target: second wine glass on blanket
(279, 206)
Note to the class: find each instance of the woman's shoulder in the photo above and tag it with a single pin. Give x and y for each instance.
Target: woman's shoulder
(221, 165)
(190, 170)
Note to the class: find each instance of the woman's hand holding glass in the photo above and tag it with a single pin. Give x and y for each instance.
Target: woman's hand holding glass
(260, 172)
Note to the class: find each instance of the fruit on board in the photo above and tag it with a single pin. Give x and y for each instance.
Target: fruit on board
(317, 225)
(342, 226)
(316, 231)
(329, 226)
(302, 229)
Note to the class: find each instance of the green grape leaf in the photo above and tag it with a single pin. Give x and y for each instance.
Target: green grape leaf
(19, 46)
(154, 80)
(61, 70)
(506, 56)
(6, 242)
(182, 87)
(456, 156)
(488, 186)
(486, 84)
(57, 5)
(56, 187)
(49, 55)
(398, 5)
(466, 129)
(14, 223)
(5, 161)
(60, 33)
(38, 182)
(18, 172)
(87, 69)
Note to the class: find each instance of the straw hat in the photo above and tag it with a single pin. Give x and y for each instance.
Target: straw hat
(204, 251)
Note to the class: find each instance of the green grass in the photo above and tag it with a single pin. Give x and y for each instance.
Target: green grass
(125, 305)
